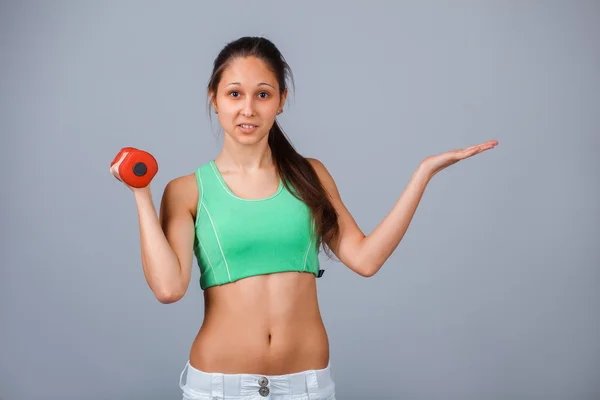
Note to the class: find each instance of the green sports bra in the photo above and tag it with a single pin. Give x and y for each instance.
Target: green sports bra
(236, 238)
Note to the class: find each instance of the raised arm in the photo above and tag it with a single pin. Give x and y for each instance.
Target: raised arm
(167, 240)
(366, 254)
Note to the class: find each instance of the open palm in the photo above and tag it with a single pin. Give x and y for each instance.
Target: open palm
(438, 162)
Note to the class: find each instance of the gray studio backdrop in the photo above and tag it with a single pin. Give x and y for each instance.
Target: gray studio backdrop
(492, 294)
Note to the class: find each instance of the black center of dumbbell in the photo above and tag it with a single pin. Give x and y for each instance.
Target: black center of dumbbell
(139, 169)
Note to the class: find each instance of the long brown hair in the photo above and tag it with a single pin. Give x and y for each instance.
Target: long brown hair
(293, 168)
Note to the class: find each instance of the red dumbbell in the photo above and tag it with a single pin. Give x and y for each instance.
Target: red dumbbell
(134, 167)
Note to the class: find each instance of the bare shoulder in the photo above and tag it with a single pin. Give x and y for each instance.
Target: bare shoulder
(182, 193)
(324, 176)
(314, 162)
(317, 166)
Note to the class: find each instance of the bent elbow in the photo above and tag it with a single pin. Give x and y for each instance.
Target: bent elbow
(368, 274)
(169, 297)
(368, 271)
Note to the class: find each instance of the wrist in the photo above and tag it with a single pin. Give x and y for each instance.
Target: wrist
(425, 171)
(142, 194)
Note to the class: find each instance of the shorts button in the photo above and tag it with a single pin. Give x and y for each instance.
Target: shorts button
(263, 381)
(263, 391)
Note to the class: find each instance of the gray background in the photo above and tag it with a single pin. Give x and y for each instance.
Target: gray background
(493, 292)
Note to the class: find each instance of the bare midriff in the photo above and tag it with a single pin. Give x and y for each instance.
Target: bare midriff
(266, 324)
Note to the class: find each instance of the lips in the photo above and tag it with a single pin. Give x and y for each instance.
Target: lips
(247, 128)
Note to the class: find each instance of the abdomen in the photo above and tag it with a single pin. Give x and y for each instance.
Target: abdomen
(268, 324)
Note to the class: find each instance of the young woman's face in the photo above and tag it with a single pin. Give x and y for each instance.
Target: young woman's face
(248, 100)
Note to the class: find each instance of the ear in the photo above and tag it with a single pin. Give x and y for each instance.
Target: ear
(213, 100)
(283, 98)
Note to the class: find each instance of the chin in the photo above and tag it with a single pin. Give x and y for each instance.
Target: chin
(249, 138)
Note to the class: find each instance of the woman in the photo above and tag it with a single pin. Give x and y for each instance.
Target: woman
(255, 218)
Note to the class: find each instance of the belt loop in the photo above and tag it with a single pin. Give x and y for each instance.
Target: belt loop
(312, 386)
(217, 386)
(182, 373)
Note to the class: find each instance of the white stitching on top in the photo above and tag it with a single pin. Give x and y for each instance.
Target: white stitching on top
(221, 183)
(218, 241)
(229, 192)
(208, 258)
(201, 198)
(306, 255)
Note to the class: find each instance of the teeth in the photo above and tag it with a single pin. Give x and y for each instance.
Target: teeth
(247, 126)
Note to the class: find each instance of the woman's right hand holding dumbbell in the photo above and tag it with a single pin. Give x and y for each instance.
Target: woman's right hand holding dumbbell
(135, 168)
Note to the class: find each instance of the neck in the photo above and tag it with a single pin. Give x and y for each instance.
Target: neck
(236, 156)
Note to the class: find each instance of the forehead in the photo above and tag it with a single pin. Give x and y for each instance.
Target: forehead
(248, 71)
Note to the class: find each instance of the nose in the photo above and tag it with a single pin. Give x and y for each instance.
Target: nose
(248, 108)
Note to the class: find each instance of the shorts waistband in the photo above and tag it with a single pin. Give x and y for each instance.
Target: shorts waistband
(214, 384)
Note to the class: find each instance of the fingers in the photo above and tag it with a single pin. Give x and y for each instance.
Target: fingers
(482, 146)
(476, 149)
(136, 168)
(489, 144)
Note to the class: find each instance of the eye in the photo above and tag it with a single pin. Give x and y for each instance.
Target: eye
(265, 95)
(232, 92)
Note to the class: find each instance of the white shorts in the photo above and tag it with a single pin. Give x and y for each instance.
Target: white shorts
(305, 385)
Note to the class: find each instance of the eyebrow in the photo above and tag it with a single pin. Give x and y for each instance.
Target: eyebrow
(260, 84)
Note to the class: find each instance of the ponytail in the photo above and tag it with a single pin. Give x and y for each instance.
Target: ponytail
(297, 172)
